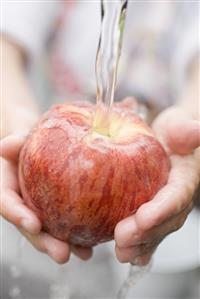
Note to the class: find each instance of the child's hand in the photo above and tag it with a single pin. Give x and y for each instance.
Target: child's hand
(13, 209)
(138, 235)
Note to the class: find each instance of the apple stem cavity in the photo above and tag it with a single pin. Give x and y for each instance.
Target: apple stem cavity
(101, 122)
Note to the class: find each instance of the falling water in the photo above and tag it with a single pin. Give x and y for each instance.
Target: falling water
(59, 289)
(113, 14)
(16, 271)
(135, 274)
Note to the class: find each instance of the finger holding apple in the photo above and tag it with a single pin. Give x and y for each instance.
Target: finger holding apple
(13, 209)
(138, 236)
(12, 206)
(141, 233)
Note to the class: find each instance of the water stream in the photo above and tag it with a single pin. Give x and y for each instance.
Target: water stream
(16, 270)
(113, 16)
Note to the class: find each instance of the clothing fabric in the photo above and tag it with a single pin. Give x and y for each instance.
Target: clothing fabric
(160, 42)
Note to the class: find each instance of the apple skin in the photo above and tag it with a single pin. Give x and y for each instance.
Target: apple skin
(81, 183)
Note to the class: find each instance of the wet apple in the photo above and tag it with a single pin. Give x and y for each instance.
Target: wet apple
(81, 180)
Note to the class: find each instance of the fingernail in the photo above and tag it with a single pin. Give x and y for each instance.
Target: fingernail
(28, 226)
(59, 254)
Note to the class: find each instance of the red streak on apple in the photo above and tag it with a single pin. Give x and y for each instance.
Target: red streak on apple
(80, 182)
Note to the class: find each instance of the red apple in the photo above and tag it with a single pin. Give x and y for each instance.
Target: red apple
(82, 179)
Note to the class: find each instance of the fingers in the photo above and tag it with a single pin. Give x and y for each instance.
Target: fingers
(126, 235)
(173, 197)
(180, 131)
(14, 211)
(177, 131)
(10, 147)
(138, 247)
(59, 251)
(8, 175)
(144, 259)
(83, 253)
(140, 233)
(12, 207)
(138, 255)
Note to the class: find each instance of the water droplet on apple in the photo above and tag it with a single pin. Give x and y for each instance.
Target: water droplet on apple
(87, 164)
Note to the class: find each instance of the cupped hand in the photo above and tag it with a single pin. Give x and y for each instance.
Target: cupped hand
(138, 236)
(13, 209)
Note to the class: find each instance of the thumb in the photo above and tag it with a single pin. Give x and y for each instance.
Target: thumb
(10, 146)
(183, 135)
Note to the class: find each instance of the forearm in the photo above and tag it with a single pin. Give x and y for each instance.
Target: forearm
(18, 109)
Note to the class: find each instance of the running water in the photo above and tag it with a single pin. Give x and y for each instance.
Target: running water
(135, 274)
(16, 271)
(113, 14)
(59, 289)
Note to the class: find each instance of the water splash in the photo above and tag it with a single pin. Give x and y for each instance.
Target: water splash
(58, 291)
(59, 288)
(135, 274)
(16, 271)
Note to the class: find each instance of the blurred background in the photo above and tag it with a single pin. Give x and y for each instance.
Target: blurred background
(59, 41)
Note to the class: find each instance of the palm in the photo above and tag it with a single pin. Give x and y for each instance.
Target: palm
(139, 234)
(180, 136)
